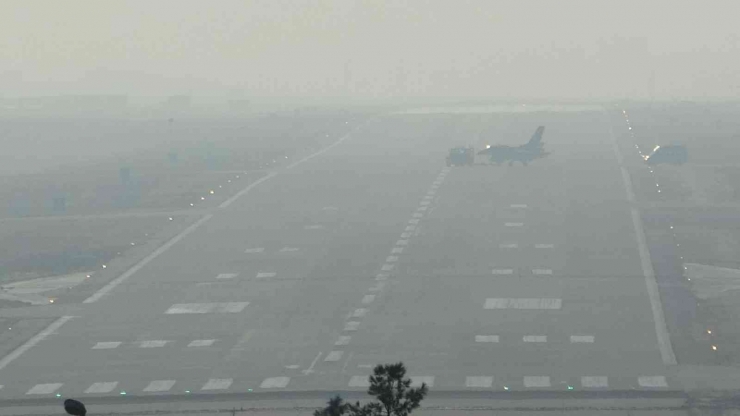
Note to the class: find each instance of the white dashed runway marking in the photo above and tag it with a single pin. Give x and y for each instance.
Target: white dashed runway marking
(266, 275)
(44, 388)
(391, 259)
(422, 208)
(218, 384)
(478, 381)
(536, 381)
(343, 340)
(254, 250)
(581, 339)
(652, 381)
(424, 203)
(503, 271)
(275, 383)
(202, 343)
(359, 313)
(368, 299)
(313, 227)
(508, 245)
(594, 382)
(106, 345)
(542, 272)
(410, 227)
(351, 326)
(334, 356)
(387, 267)
(159, 386)
(402, 242)
(378, 287)
(417, 380)
(417, 215)
(518, 205)
(534, 338)
(381, 276)
(405, 235)
(288, 249)
(190, 308)
(414, 221)
(397, 250)
(226, 276)
(523, 303)
(486, 338)
(544, 245)
(102, 387)
(359, 381)
(153, 344)
(514, 224)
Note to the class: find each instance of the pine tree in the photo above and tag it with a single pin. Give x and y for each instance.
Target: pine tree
(393, 392)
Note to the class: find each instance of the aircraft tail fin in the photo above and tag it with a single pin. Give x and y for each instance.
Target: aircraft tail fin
(537, 137)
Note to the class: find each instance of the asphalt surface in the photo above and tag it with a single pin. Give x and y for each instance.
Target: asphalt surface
(477, 278)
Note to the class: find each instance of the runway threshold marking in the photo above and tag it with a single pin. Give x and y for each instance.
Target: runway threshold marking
(47, 388)
(101, 387)
(159, 386)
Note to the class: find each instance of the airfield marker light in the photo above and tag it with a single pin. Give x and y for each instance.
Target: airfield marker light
(51, 300)
(192, 204)
(570, 387)
(229, 181)
(170, 218)
(220, 186)
(714, 347)
(709, 331)
(123, 393)
(187, 391)
(58, 395)
(202, 198)
(133, 244)
(105, 267)
(237, 176)
(212, 192)
(506, 388)
(249, 389)
(87, 276)
(630, 127)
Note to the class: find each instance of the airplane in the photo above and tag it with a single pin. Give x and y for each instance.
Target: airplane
(533, 149)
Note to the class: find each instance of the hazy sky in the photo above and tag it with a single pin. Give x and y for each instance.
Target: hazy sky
(364, 48)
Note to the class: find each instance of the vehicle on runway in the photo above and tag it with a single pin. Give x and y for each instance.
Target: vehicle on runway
(533, 149)
(461, 156)
(670, 155)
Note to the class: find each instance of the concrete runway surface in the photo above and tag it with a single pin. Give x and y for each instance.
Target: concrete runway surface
(479, 278)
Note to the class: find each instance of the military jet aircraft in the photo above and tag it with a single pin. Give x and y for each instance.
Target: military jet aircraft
(533, 149)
